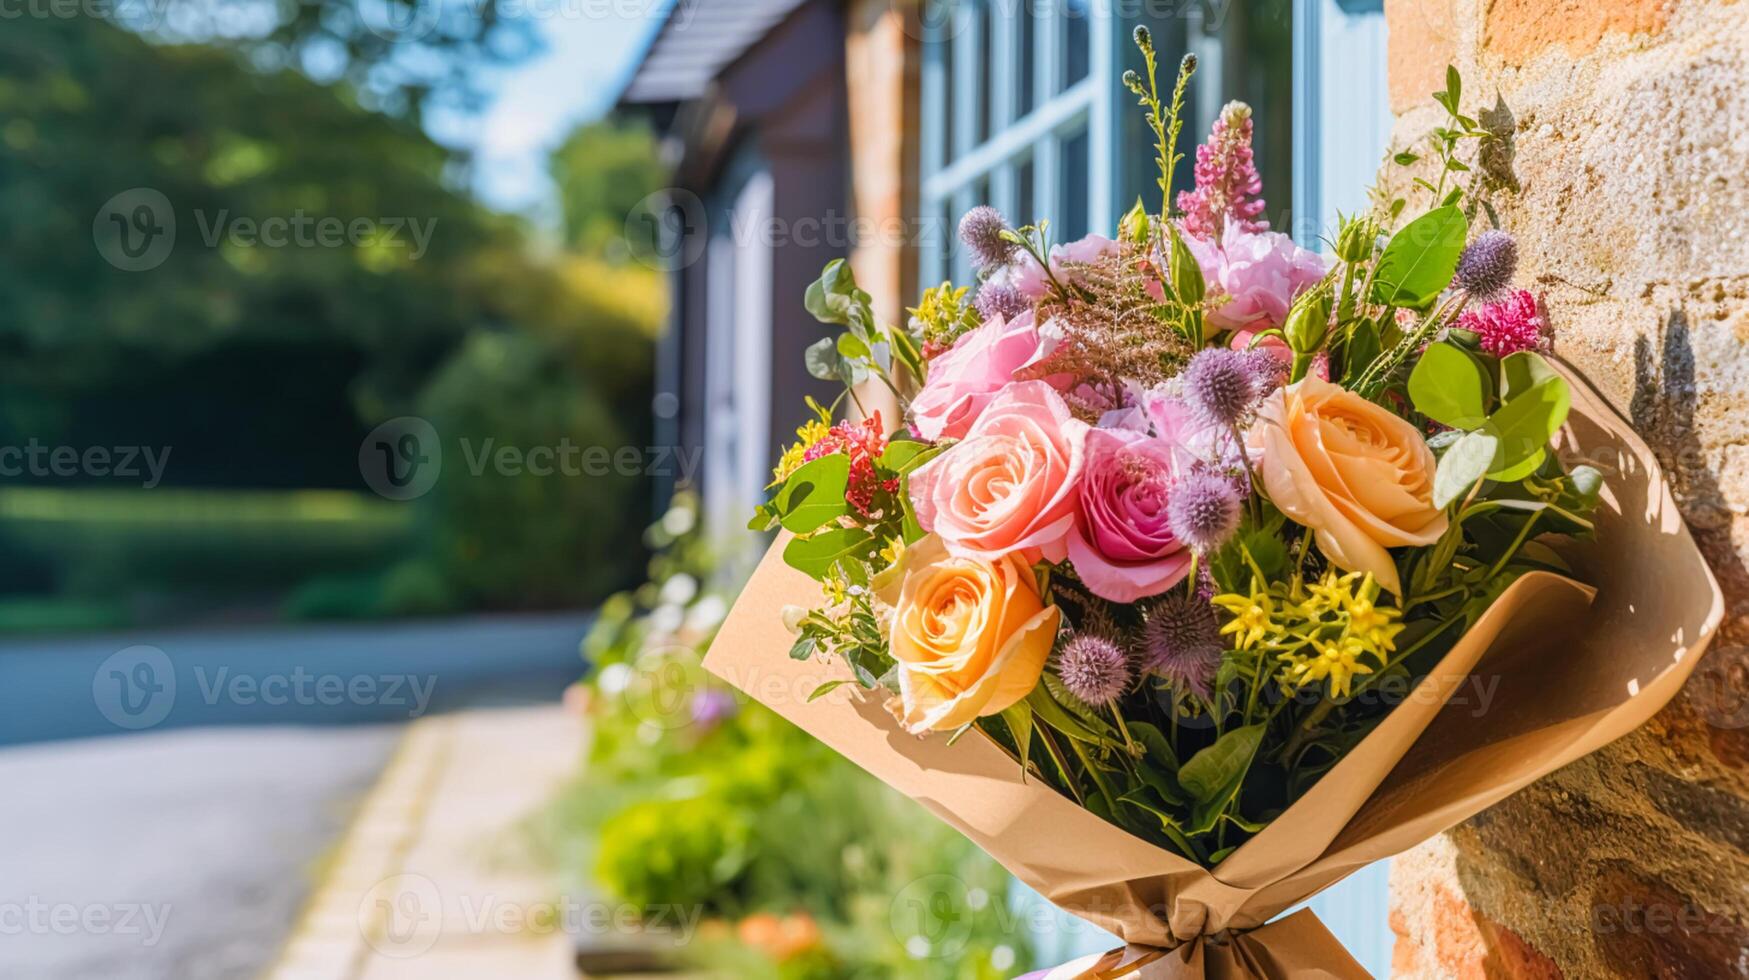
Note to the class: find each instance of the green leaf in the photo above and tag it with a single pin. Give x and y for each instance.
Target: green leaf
(1159, 749)
(1048, 712)
(824, 689)
(852, 348)
(822, 359)
(1526, 423)
(813, 496)
(1521, 372)
(1463, 466)
(816, 554)
(905, 455)
(1522, 469)
(1454, 87)
(1419, 260)
(803, 648)
(1363, 347)
(1018, 716)
(1215, 772)
(1450, 387)
(1405, 158)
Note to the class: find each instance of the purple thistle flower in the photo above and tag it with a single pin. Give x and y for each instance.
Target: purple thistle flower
(1227, 183)
(999, 300)
(1221, 385)
(981, 230)
(1268, 371)
(1486, 266)
(1181, 642)
(1094, 668)
(1203, 510)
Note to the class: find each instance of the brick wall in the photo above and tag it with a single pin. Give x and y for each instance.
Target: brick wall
(1629, 155)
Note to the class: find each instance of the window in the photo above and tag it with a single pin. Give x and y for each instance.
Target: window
(1023, 108)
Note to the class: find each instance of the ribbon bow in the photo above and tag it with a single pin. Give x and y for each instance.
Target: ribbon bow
(1294, 947)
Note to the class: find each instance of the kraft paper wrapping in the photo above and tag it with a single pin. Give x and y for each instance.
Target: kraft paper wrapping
(1572, 668)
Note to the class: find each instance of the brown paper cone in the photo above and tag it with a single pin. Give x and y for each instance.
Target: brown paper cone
(1573, 673)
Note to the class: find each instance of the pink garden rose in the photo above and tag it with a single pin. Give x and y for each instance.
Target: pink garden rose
(1011, 486)
(1259, 272)
(1121, 545)
(964, 379)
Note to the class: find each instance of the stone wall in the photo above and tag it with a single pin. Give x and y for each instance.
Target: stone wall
(1626, 180)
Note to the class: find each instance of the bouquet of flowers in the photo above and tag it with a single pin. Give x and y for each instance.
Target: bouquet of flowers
(1195, 534)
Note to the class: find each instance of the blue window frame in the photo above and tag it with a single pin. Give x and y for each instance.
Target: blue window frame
(1023, 108)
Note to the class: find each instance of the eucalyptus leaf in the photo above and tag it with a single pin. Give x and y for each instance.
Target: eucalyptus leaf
(822, 359)
(1523, 371)
(1463, 466)
(1526, 423)
(1450, 387)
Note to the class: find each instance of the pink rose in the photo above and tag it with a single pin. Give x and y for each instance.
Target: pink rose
(1121, 545)
(1259, 272)
(964, 378)
(1011, 485)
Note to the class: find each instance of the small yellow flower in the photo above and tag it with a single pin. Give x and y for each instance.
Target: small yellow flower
(1253, 615)
(1338, 660)
(810, 432)
(895, 547)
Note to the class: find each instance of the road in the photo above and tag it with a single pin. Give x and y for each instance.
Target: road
(169, 796)
(110, 684)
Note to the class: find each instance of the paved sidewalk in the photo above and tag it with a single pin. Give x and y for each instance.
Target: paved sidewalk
(430, 882)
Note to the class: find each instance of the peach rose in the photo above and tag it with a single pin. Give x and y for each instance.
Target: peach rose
(1355, 473)
(971, 636)
(1012, 484)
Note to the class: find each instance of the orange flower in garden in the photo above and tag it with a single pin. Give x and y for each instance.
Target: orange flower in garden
(781, 939)
(970, 636)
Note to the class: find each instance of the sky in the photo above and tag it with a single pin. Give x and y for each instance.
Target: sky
(590, 47)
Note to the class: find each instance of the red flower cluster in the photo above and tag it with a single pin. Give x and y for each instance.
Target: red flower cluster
(863, 442)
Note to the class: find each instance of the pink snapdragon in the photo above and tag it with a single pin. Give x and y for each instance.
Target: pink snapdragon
(1227, 184)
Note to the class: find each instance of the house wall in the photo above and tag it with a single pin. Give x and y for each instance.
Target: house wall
(1629, 138)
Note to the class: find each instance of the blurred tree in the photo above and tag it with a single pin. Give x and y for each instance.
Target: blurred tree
(263, 362)
(397, 54)
(605, 172)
